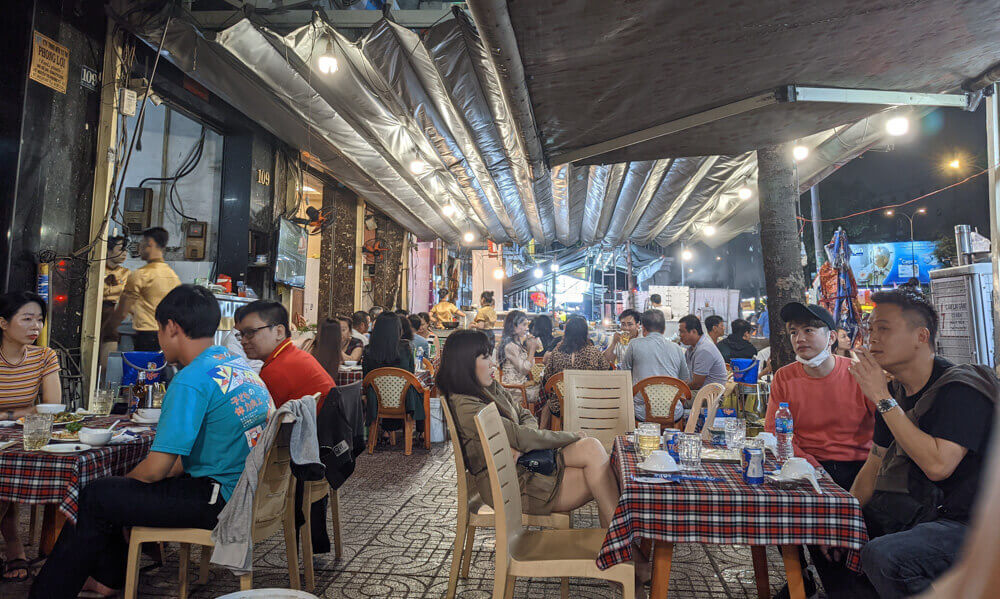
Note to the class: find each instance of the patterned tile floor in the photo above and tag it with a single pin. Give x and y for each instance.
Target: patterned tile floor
(398, 518)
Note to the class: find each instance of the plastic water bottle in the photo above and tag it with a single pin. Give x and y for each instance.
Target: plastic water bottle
(784, 430)
(419, 358)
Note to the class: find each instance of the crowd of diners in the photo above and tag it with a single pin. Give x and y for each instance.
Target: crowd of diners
(900, 428)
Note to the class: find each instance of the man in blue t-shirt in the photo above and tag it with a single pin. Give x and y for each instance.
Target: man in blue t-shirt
(214, 411)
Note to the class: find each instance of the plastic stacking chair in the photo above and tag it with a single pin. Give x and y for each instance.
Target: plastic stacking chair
(272, 510)
(477, 513)
(711, 396)
(555, 387)
(661, 394)
(391, 385)
(599, 402)
(535, 553)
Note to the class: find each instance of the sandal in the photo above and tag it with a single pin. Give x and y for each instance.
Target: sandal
(14, 565)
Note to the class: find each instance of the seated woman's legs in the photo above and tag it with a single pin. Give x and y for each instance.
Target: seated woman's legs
(588, 476)
(13, 549)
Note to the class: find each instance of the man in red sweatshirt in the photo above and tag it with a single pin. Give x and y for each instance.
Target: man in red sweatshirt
(833, 420)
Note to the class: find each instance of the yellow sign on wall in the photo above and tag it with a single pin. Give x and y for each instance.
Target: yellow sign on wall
(49, 63)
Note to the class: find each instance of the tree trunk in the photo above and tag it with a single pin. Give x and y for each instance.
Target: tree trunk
(779, 240)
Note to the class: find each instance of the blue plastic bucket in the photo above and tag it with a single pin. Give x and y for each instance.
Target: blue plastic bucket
(142, 359)
(745, 370)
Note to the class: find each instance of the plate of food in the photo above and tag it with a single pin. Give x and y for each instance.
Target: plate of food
(65, 436)
(60, 419)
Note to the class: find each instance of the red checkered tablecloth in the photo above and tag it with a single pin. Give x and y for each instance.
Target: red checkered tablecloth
(346, 377)
(727, 512)
(34, 477)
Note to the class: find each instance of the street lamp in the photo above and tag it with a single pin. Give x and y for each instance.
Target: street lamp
(909, 218)
(955, 164)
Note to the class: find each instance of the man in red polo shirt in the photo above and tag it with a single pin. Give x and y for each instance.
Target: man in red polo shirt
(288, 372)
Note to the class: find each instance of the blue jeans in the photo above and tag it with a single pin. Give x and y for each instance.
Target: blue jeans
(905, 563)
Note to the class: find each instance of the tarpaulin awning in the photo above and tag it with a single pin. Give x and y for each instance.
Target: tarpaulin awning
(446, 133)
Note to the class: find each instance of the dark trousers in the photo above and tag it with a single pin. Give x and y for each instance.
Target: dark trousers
(146, 341)
(96, 546)
(838, 580)
(905, 563)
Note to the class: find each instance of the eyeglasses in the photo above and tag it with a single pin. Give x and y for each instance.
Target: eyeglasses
(249, 333)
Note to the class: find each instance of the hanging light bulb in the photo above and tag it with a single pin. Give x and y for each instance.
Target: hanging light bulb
(498, 273)
(897, 125)
(448, 209)
(687, 255)
(327, 62)
(469, 237)
(554, 267)
(799, 153)
(744, 193)
(709, 230)
(538, 273)
(417, 167)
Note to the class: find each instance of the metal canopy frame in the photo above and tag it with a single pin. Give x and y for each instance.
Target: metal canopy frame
(788, 94)
(350, 19)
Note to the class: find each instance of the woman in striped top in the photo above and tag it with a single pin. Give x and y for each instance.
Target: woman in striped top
(26, 371)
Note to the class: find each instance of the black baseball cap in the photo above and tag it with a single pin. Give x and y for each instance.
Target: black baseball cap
(796, 311)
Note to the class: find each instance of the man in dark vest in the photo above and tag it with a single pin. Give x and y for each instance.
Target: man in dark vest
(932, 432)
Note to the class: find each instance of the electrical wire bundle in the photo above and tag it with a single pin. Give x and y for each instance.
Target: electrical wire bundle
(187, 166)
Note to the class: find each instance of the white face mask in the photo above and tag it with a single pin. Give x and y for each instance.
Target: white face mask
(816, 361)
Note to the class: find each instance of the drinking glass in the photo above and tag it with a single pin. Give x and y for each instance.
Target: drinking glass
(159, 391)
(101, 402)
(736, 433)
(37, 431)
(689, 449)
(647, 438)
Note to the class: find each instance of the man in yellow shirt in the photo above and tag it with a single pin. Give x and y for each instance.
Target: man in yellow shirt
(144, 290)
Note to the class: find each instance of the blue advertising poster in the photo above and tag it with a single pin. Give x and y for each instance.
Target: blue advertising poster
(886, 264)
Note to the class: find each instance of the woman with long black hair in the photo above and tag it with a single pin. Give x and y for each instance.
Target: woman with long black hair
(575, 352)
(582, 470)
(387, 349)
(541, 328)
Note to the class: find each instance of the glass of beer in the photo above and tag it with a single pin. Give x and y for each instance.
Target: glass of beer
(37, 431)
(647, 437)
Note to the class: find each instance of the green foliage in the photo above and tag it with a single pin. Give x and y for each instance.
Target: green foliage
(945, 250)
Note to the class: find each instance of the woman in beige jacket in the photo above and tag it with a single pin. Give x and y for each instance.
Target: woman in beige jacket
(583, 470)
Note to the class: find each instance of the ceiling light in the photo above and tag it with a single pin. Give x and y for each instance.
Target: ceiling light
(718, 257)
(538, 273)
(498, 273)
(799, 153)
(955, 163)
(417, 167)
(469, 237)
(898, 125)
(554, 267)
(687, 255)
(448, 209)
(709, 230)
(327, 64)
(744, 193)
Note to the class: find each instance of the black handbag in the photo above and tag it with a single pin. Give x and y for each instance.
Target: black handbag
(542, 461)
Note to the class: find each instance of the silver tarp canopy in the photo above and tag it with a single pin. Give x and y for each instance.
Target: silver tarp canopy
(421, 125)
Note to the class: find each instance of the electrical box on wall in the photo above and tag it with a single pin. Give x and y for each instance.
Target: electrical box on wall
(138, 208)
(196, 236)
(128, 102)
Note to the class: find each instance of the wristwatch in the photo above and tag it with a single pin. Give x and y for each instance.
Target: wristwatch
(884, 405)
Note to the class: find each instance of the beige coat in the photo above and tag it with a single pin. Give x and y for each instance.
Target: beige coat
(537, 490)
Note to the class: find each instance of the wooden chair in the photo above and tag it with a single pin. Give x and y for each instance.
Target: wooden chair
(428, 366)
(273, 509)
(661, 394)
(535, 553)
(556, 387)
(315, 490)
(391, 385)
(476, 513)
(710, 395)
(599, 403)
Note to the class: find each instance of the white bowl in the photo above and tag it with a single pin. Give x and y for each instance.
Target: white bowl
(95, 436)
(50, 408)
(148, 413)
(350, 363)
(659, 461)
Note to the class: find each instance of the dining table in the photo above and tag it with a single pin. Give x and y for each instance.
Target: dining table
(54, 481)
(726, 510)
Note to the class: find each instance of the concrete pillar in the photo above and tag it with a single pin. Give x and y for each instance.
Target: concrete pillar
(779, 239)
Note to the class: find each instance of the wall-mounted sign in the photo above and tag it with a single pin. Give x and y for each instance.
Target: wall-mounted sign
(89, 79)
(263, 177)
(49, 63)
